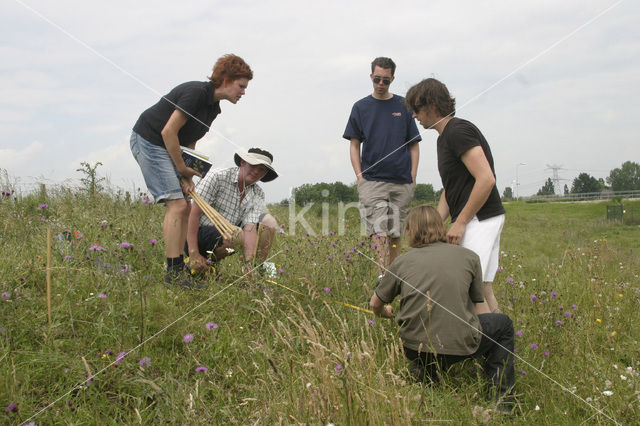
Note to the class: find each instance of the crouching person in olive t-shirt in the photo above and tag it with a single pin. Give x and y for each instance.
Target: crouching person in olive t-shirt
(439, 283)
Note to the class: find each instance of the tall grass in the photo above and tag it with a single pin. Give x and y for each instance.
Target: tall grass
(569, 281)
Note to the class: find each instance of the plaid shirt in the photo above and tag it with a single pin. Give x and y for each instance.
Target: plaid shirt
(220, 190)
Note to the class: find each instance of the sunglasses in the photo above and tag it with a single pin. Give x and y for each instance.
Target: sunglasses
(385, 81)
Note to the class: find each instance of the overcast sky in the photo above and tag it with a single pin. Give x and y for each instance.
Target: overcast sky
(547, 82)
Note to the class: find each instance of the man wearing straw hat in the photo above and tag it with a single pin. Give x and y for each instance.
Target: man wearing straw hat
(234, 195)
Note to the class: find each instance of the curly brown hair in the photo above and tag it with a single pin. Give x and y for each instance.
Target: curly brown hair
(431, 92)
(424, 225)
(230, 67)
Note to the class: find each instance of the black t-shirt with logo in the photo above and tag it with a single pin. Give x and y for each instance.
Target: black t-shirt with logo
(458, 137)
(195, 99)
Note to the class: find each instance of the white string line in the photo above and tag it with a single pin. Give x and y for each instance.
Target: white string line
(119, 68)
(116, 361)
(480, 331)
(515, 70)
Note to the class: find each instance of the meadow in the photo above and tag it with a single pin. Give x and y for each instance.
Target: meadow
(122, 348)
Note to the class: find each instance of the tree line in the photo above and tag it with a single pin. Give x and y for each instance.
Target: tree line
(339, 192)
(624, 178)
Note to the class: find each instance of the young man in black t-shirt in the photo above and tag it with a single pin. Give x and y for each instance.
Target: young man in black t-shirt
(468, 176)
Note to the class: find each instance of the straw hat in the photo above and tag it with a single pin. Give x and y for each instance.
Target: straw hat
(255, 156)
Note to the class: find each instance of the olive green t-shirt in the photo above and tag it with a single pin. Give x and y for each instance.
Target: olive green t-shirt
(445, 322)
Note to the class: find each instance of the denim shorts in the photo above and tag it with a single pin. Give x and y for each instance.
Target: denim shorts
(159, 172)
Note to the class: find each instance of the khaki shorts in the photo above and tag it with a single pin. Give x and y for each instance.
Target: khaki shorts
(384, 206)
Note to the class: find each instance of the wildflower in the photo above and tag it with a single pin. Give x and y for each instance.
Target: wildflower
(510, 280)
(120, 357)
(125, 269)
(211, 326)
(12, 408)
(575, 307)
(519, 333)
(554, 294)
(281, 271)
(607, 393)
(546, 353)
(67, 258)
(6, 295)
(126, 245)
(568, 314)
(102, 296)
(623, 377)
(331, 232)
(228, 374)
(187, 338)
(613, 333)
(107, 352)
(524, 373)
(499, 269)
(370, 321)
(559, 322)
(146, 200)
(598, 320)
(533, 346)
(201, 369)
(96, 247)
(338, 368)
(153, 241)
(534, 298)
(327, 289)
(145, 361)
(43, 206)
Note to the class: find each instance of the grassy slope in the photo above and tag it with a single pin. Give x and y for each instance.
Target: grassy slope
(279, 356)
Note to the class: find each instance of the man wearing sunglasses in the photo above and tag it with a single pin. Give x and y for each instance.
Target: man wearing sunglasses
(384, 154)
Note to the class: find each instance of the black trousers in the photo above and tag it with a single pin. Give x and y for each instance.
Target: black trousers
(496, 348)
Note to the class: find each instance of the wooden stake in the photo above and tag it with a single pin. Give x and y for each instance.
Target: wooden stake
(49, 274)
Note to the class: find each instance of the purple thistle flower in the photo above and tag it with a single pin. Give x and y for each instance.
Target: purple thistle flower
(331, 232)
(554, 294)
(102, 296)
(108, 352)
(338, 368)
(510, 280)
(125, 269)
(12, 408)
(201, 369)
(559, 322)
(153, 241)
(126, 245)
(187, 338)
(6, 295)
(330, 258)
(120, 357)
(327, 289)
(575, 307)
(146, 200)
(534, 298)
(96, 247)
(519, 333)
(145, 361)
(211, 326)
(521, 371)
(533, 346)
(370, 321)
(281, 271)
(43, 206)
(568, 314)
(546, 353)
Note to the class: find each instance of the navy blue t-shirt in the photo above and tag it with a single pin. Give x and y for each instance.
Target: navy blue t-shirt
(195, 99)
(384, 127)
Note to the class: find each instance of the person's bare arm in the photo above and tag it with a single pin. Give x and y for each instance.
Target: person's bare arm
(379, 308)
(171, 142)
(354, 154)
